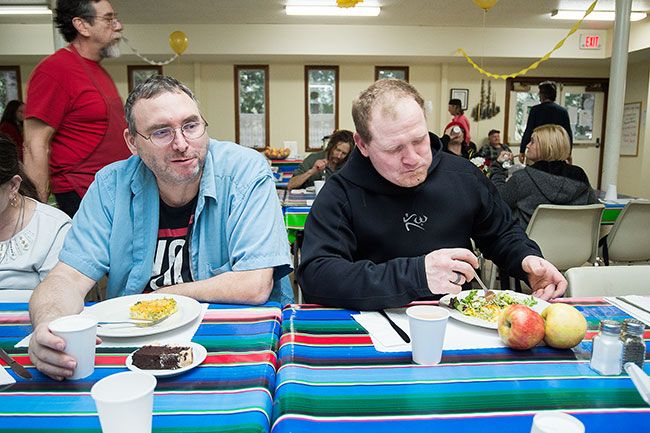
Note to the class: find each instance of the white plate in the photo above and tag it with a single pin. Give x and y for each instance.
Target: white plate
(199, 353)
(444, 302)
(116, 309)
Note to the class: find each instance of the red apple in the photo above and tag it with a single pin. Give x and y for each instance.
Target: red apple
(520, 327)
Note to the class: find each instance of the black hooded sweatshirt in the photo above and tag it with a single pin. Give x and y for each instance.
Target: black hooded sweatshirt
(366, 238)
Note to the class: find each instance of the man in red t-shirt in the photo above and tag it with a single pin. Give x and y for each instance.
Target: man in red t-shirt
(74, 115)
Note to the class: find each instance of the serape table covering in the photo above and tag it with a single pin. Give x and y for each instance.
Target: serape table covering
(331, 379)
(231, 391)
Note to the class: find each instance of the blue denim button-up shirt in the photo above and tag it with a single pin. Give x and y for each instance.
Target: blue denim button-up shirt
(238, 223)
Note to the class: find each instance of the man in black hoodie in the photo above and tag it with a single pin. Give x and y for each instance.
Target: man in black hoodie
(394, 225)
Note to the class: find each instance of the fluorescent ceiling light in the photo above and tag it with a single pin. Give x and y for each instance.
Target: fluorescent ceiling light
(357, 11)
(594, 16)
(25, 10)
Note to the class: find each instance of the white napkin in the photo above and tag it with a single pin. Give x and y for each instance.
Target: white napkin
(641, 301)
(458, 335)
(6, 378)
(181, 335)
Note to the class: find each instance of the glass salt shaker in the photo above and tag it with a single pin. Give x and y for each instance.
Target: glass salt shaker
(607, 351)
(633, 344)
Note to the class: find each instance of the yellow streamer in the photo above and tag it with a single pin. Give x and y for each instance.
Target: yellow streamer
(535, 64)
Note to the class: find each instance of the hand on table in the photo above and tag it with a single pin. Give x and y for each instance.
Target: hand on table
(448, 269)
(544, 278)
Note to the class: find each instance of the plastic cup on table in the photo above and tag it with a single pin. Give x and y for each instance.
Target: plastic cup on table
(80, 333)
(318, 185)
(427, 324)
(125, 402)
(556, 422)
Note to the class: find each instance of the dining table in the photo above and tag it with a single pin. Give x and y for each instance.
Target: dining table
(331, 378)
(231, 391)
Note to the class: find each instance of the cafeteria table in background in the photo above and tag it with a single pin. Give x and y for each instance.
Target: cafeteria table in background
(230, 392)
(331, 379)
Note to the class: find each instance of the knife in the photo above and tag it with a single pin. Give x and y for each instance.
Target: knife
(622, 299)
(17, 368)
(397, 329)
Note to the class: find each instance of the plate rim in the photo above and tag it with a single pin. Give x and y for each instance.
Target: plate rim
(474, 321)
(145, 331)
(196, 349)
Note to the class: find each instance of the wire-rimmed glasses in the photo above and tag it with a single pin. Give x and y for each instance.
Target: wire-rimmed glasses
(190, 130)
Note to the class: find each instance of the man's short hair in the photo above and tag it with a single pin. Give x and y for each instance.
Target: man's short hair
(382, 93)
(456, 103)
(67, 10)
(552, 143)
(547, 90)
(493, 131)
(154, 86)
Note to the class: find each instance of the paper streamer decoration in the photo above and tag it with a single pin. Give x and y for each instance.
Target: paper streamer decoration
(535, 64)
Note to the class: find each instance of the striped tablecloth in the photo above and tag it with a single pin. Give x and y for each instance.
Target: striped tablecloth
(230, 392)
(331, 379)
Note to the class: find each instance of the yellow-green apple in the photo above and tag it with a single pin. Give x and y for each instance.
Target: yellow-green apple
(564, 325)
(520, 327)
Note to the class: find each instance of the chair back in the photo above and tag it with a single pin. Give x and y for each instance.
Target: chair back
(591, 281)
(567, 235)
(629, 239)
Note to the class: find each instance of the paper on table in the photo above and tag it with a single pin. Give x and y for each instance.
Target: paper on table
(5, 378)
(641, 301)
(457, 336)
(183, 334)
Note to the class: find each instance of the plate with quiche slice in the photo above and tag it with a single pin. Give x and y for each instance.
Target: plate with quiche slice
(172, 311)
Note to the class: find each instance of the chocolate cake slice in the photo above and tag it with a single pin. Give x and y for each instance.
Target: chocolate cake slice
(162, 357)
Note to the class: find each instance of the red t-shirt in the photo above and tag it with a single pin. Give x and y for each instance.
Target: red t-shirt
(61, 93)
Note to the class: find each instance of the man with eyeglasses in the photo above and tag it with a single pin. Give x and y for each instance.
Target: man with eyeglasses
(74, 116)
(185, 215)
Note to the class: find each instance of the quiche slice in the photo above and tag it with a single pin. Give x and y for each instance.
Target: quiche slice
(155, 309)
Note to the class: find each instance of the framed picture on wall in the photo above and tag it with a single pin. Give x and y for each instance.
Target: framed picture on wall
(400, 72)
(139, 74)
(462, 94)
(10, 88)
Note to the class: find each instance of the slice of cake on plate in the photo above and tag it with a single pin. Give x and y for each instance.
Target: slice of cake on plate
(162, 357)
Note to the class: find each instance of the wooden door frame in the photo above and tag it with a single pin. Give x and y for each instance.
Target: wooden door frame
(596, 84)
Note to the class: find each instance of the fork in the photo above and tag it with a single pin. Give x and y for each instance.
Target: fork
(142, 323)
(486, 292)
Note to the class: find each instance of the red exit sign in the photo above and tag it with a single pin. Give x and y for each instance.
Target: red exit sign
(589, 42)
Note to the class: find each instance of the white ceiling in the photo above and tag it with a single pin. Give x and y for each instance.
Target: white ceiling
(435, 13)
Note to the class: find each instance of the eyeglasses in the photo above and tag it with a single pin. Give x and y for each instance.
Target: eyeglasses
(164, 136)
(111, 19)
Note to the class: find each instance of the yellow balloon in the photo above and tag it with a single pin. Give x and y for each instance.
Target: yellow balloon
(178, 42)
(485, 4)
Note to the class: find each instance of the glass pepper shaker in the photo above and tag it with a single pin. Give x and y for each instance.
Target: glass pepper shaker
(633, 344)
(607, 351)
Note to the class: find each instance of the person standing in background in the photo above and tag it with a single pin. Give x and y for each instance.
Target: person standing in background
(11, 124)
(456, 110)
(74, 114)
(547, 112)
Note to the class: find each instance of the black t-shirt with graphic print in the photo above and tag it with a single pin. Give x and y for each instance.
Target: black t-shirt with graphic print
(171, 264)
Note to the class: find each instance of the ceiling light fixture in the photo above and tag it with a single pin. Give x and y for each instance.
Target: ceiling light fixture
(594, 16)
(356, 11)
(25, 10)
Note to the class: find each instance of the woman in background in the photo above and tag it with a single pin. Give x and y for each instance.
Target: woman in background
(11, 124)
(550, 180)
(31, 233)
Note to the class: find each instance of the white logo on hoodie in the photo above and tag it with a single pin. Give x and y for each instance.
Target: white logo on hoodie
(414, 221)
